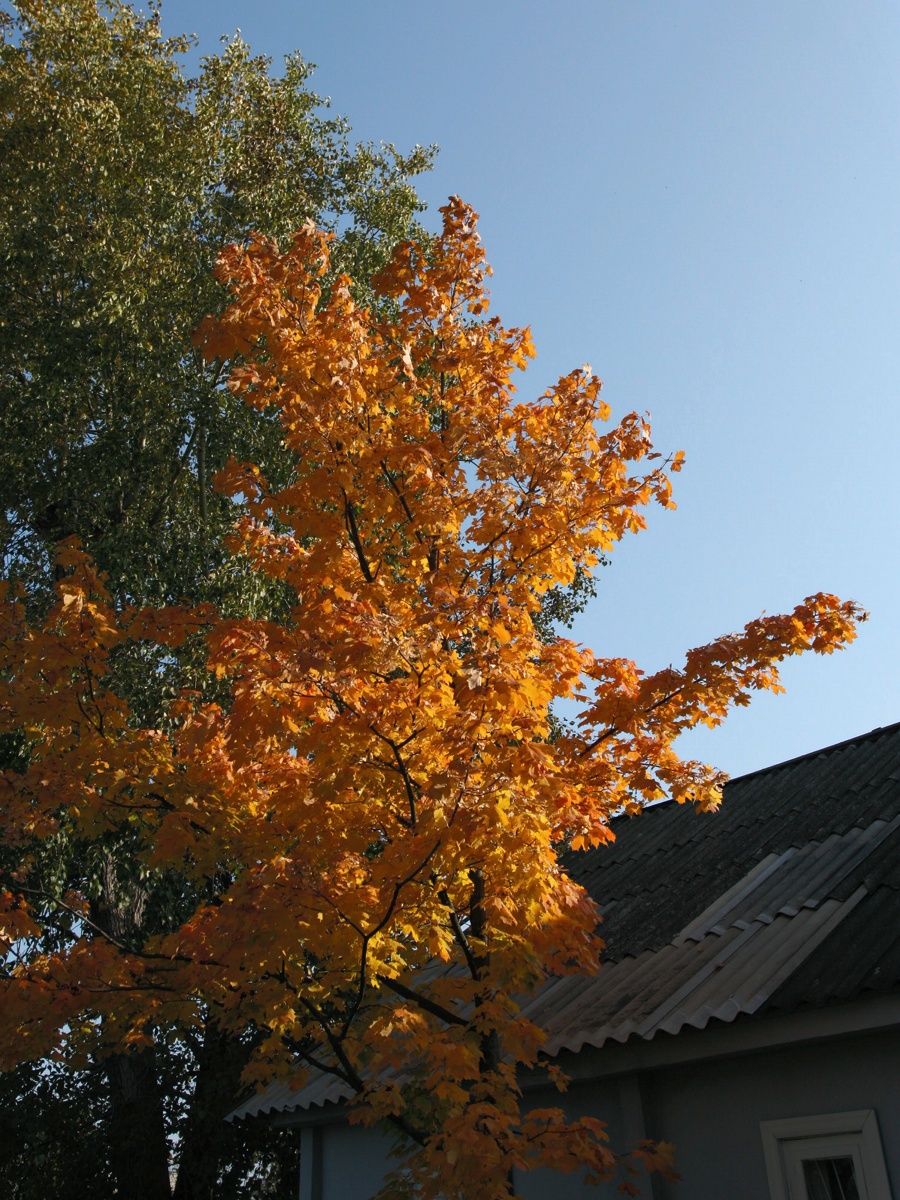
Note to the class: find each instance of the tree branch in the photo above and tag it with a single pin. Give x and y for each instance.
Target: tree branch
(356, 540)
(436, 1010)
(460, 934)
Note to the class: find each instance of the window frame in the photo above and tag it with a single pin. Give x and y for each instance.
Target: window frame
(838, 1134)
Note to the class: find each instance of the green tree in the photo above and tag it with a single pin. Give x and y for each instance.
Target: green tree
(120, 180)
(52, 1135)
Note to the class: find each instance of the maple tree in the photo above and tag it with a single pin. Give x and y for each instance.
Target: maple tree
(371, 808)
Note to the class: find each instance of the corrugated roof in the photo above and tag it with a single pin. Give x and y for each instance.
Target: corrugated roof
(789, 895)
(669, 863)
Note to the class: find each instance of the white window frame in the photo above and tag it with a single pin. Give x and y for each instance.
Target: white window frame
(830, 1135)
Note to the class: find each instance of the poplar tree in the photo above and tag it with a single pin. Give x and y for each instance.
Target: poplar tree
(120, 180)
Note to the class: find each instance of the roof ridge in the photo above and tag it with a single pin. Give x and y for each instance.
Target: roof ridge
(667, 801)
(789, 762)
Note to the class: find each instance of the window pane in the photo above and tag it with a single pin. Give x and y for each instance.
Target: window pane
(830, 1179)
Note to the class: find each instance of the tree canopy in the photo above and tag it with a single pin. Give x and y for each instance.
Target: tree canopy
(370, 799)
(120, 180)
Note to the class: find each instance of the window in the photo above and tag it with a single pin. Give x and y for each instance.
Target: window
(836, 1156)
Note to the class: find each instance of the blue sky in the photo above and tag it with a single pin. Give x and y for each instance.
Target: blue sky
(702, 200)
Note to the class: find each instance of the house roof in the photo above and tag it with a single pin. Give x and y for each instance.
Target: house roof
(788, 895)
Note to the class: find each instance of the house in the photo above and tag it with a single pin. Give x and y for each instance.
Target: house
(749, 1009)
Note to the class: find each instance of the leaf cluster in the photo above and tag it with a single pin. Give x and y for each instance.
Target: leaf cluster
(120, 179)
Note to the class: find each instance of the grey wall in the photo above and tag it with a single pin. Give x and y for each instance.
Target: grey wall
(710, 1110)
(342, 1162)
(617, 1102)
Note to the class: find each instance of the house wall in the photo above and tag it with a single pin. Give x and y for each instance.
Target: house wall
(615, 1101)
(342, 1162)
(711, 1111)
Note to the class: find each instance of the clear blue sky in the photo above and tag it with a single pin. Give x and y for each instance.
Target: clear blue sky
(702, 200)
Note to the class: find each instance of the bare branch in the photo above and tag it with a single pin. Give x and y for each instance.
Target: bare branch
(429, 1006)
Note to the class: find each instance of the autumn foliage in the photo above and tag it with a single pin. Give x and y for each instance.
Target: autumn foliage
(369, 815)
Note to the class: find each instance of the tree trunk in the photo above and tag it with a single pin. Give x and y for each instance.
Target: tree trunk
(138, 1148)
(206, 1138)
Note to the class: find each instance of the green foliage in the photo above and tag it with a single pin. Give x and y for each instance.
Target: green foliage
(120, 180)
(54, 1141)
(561, 605)
(52, 1137)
